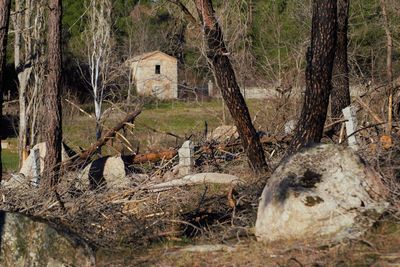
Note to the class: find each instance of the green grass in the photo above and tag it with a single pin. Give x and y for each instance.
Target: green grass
(9, 160)
(182, 118)
(178, 117)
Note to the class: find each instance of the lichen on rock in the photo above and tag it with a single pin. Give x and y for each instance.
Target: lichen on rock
(321, 193)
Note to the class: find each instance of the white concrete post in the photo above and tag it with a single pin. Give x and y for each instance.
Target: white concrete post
(186, 158)
(36, 167)
(210, 89)
(349, 114)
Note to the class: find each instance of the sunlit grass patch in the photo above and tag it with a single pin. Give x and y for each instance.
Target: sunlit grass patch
(9, 160)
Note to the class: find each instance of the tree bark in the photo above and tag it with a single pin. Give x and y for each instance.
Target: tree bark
(52, 97)
(226, 80)
(320, 58)
(4, 19)
(340, 95)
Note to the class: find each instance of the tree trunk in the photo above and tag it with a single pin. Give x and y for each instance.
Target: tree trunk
(4, 18)
(52, 101)
(23, 57)
(99, 46)
(320, 58)
(226, 80)
(340, 96)
(389, 67)
(99, 130)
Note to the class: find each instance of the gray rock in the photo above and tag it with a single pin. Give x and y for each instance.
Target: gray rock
(27, 166)
(25, 242)
(115, 174)
(325, 193)
(290, 126)
(223, 133)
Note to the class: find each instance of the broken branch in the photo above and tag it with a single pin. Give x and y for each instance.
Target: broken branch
(110, 134)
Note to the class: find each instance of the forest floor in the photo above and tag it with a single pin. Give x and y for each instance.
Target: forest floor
(379, 247)
(152, 131)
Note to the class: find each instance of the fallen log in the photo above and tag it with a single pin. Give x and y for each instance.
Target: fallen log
(198, 178)
(154, 157)
(110, 134)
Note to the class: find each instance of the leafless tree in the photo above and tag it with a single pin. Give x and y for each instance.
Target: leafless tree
(4, 18)
(28, 24)
(99, 48)
(320, 57)
(52, 97)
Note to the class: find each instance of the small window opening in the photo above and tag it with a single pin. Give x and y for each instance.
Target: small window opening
(158, 69)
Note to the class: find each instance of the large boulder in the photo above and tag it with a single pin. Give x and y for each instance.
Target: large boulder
(325, 193)
(25, 242)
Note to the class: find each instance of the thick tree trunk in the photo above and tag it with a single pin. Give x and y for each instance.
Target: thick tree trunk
(320, 58)
(4, 19)
(340, 96)
(52, 97)
(226, 80)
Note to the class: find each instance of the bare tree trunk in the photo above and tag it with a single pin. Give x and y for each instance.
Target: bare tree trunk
(52, 95)
(23, 68)
(226, 80)
(28, 23)
(320, 58)
(340, 96)
(389, 67)
(4, 18)
(99, 47)
(38, 37)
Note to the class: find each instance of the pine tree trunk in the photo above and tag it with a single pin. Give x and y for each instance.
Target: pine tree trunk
(340, 96)
(320, 58)
(4, 19)
(226, 80)
(52, 97)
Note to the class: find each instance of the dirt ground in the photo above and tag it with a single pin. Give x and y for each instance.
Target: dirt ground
(379, 247)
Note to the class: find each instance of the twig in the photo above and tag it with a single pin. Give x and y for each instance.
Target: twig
(80, 109)
(364, 128)
(159, 131)
(369, 110)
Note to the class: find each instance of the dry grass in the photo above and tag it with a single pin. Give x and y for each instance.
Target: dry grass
(137, 226)
(379, 247)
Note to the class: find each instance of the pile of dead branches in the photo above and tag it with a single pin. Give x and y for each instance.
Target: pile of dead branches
(138, 216)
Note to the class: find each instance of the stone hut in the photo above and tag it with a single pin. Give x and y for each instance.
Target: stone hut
(155, 74)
